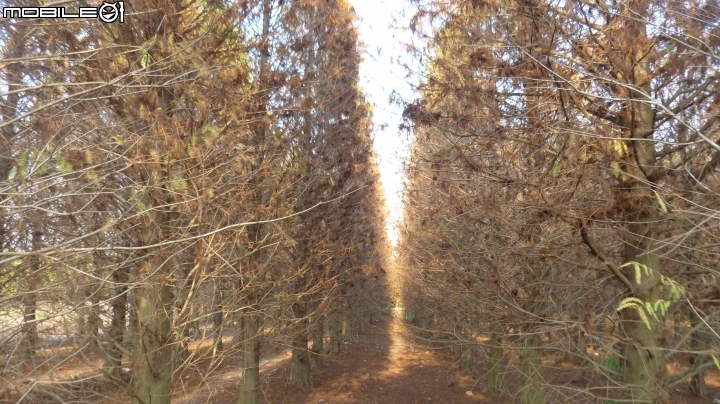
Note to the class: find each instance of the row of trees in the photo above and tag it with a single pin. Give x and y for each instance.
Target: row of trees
(202, 170)
(563, 194)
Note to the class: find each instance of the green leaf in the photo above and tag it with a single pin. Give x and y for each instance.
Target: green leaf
(135, 199)
(191, 144)
(22, 166)
(717, 362)
(556, 169)
(209, 128)
(676, 159)
(674, 292)
(146, 60)
(661, 202)
(64, 166)
(630, 302)
(39, 160)
(42, 168)
(177, 184)
(12, 174)
(662, 305)
(644, 317)
(619, 146)
(117, 139)
(649, 309)
(612, 364)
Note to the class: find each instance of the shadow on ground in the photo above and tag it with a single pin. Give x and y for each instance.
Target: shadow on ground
(385, 365)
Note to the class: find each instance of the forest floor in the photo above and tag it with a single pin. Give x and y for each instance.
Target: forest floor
(388, 365)
(385, 365)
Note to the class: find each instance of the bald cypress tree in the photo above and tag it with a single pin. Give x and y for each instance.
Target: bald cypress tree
(574, 130)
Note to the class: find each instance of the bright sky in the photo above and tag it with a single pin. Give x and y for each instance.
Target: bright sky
(382, 73)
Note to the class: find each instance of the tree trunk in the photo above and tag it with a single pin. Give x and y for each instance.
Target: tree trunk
(300, 366)
(30, 300)
(317, 334)
(335, 330)
(93, 319)
(363, 317)
(250, 319)
(496, 374)
(351, 323)
(153, 350)
(30, 331)
(250, 384)
(700, 341)
(114, 352)
(532, 392)
(644, 357)
(133, 324)
(467, 363)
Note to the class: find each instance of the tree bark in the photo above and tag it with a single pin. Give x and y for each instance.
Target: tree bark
(30, 329)
(250, 384)
(467, 363)
(335, 330)
(93, 319)
(496, 375)
(532, 392)
(644, 359)
(250, 318)
(30, 301)
(350, 318)
(300, 366)
(317, 334)
(112, 367)
(153, 351)
(699, 343)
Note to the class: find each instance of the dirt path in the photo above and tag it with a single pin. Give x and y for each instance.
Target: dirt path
(385, 365)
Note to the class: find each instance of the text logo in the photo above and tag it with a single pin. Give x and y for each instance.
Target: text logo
(107, 12)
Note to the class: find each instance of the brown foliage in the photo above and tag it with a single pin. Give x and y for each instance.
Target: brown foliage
(562, 151)
(180, 166)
